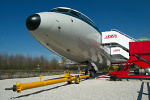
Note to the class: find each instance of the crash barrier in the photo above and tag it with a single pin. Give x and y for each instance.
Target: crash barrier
(7, 74)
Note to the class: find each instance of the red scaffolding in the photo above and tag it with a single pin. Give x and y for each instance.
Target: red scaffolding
(140, 55)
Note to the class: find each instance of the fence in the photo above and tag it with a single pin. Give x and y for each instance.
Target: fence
(4, 74)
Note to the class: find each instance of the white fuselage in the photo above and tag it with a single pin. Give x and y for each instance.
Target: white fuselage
(70, 37)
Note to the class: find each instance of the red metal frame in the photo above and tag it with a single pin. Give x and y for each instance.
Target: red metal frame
(138, 51)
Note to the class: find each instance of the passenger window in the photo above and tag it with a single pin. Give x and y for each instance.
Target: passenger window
(62, 10)
(74, 13)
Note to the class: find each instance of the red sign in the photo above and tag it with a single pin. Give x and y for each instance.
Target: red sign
(116, 50)
(111, 36)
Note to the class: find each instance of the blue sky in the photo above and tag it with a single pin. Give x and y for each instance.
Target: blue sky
(129, 16)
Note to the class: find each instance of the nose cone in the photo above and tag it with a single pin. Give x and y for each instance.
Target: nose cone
(33, 22)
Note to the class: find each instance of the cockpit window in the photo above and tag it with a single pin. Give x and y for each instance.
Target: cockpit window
(53, 10)
(87, 19)
(74, 13)
(62, 10)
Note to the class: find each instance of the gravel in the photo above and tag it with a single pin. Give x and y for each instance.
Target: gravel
(91, 89)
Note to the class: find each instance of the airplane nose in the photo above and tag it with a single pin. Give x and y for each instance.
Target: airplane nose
(33, 22)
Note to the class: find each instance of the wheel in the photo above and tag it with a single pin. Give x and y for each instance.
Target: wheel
(92, 74)
(119, 79)
(112, 78)
(94, 71)
(69, 82)
(86, 71)
(77, 79)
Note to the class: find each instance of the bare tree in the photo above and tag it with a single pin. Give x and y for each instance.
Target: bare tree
(21, 62)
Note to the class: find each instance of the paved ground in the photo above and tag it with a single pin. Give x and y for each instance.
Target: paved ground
(91, 89)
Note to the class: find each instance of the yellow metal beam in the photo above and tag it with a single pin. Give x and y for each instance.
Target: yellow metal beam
(67, 78)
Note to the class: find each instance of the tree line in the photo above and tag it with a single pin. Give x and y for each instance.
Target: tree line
(22, 62)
